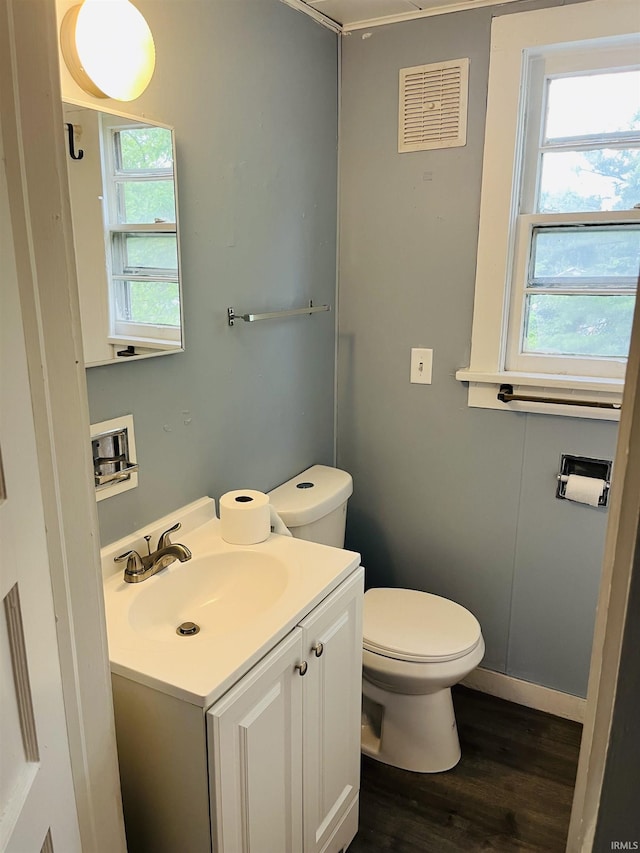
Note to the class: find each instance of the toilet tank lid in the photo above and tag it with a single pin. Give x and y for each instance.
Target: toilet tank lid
(311, 495)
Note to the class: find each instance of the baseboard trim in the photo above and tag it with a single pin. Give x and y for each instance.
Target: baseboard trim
(526, 693)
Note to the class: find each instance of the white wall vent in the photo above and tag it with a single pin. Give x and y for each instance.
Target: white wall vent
(433, 106)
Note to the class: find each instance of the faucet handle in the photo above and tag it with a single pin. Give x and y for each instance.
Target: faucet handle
(134, 562)
(164, 539)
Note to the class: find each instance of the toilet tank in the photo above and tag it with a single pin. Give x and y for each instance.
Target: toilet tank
(313, 505)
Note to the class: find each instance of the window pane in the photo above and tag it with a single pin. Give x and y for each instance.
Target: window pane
(602, 179)
(146, 201)
(151, 302)
(576, 324)
(144, 148)
(593, 104)
(583, 257)
(150, 251)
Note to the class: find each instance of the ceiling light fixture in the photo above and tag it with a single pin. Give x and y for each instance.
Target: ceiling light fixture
(108, 48)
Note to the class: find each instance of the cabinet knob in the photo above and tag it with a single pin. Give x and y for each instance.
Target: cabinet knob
(318, 649)
(302, 667)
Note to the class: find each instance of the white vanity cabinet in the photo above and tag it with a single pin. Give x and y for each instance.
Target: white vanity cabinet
(273, 765)
(332, 703)
(284, 743)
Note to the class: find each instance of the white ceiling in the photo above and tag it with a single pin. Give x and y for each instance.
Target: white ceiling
(355, 14)
(351, 11)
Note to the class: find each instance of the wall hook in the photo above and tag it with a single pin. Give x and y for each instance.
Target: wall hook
(72, 149)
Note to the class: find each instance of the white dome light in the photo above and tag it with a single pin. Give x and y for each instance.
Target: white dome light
(108, 48)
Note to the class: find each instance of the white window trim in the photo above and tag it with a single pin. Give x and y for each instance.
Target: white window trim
(511, 36)
(122, 332)
(610, 368)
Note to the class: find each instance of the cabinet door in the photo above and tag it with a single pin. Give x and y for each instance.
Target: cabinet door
(255, 757)
(332, 710)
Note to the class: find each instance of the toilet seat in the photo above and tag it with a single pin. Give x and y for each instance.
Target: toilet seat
(419, 627)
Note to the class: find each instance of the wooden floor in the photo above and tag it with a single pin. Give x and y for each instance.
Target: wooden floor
(511, 791)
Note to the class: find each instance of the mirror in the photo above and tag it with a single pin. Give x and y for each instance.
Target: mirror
(124, 211)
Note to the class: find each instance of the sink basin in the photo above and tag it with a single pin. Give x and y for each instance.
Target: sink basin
(245, 599)
(221, 593)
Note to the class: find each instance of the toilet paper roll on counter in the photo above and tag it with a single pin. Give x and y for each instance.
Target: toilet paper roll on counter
(245, 517)
(584, 490)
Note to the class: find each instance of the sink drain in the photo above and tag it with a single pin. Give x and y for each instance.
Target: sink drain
(187, 629)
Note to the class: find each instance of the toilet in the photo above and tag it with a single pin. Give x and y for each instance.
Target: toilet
(416, 645)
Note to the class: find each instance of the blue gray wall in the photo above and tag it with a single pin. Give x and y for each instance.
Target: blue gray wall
(453, 500)
(251, 89)
(449, 499)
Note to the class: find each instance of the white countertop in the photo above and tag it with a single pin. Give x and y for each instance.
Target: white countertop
(201, 668)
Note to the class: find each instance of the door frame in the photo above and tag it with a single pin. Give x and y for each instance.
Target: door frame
(30, 101)
(621, 552)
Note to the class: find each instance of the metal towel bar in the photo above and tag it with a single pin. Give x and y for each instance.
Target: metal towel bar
(506, 395)
(271, 315)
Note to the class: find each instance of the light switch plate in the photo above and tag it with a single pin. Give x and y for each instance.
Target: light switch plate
(421, 365)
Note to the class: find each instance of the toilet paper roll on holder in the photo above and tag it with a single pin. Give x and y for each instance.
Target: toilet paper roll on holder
(583, 466)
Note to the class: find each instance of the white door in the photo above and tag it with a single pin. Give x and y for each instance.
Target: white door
(37, 805)
(332, 644)
(255, 757)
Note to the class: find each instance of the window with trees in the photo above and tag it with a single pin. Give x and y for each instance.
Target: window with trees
(142, 234)
(559, 243)
(576, 261)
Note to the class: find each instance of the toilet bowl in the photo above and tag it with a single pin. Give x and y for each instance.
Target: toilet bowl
(416, 645)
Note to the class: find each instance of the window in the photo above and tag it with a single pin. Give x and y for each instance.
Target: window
(559, 242)
(576, 266)
(142, 235)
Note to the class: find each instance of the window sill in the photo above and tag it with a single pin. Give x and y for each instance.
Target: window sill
(143, 349)
(484, 388)
(145, 343)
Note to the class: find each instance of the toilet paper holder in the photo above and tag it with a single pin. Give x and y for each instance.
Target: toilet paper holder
(583, 466)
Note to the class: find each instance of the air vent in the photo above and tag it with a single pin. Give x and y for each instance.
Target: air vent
(433, 106)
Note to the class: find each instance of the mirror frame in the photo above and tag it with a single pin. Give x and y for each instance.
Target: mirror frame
(85, 176)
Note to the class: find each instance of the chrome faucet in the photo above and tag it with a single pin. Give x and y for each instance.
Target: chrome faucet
(140, 568)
